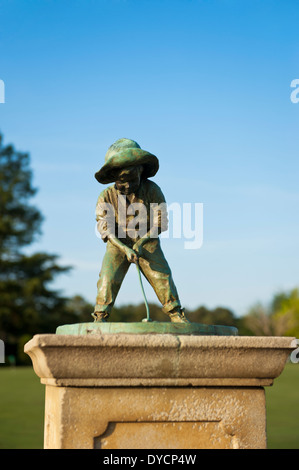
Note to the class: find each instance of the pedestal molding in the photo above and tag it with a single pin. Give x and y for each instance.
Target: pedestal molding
(158, 360)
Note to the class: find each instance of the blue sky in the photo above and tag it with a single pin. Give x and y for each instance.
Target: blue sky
(205, 86)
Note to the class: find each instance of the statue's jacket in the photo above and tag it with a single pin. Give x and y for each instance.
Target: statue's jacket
(115, 213)
(132, 216)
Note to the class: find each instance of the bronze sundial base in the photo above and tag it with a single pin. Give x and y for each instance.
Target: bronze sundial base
(153, 327)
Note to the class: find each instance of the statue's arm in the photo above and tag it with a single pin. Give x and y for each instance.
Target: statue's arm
(159, 217)
(105, 217)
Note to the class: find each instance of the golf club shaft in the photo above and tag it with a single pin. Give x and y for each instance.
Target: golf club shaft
(145, 300)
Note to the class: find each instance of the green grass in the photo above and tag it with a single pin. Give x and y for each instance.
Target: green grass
(22, 409)
(282, 400)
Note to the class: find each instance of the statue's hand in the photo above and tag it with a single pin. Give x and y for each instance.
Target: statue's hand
(137, 247)
(131, 255)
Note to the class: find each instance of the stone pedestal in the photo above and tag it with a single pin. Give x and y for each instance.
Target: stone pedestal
(137, 391)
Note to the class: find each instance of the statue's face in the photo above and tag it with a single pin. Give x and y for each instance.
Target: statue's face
(128, 180)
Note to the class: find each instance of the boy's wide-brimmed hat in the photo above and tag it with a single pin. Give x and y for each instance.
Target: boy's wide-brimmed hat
(123, 154)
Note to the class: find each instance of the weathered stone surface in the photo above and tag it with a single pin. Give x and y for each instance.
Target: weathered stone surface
(153, 418)
(156, 391)
(157, 360)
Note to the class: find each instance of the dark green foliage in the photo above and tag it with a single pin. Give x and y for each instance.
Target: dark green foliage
(19, 222)
(137, 313)
(217, 316)
(27, 304)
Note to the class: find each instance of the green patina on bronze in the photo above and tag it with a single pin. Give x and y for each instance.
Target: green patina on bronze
(123, 154)
(129, 167)
(146, 328)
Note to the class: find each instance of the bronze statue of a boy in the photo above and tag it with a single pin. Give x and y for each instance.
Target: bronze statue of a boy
(129, 167)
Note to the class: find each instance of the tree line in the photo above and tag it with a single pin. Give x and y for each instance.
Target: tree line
(28, 304)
